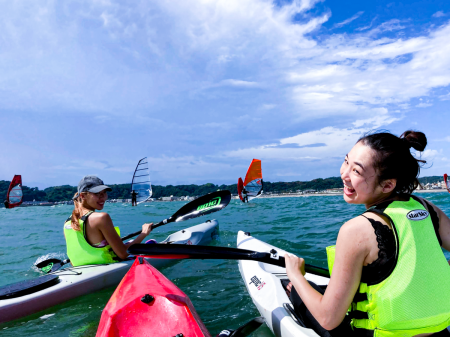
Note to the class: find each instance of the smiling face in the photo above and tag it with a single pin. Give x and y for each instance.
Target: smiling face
(360, 178)
(94, 201)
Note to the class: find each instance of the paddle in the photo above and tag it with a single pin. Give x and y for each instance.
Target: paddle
(244, 330)
(203, 205)
(216, 253)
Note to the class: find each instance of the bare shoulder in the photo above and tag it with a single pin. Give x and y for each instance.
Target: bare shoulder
(357, 235)
(356, 226)
(99, 219)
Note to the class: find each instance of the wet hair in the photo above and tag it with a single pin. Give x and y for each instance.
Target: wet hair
(393, 159)
(77, 212)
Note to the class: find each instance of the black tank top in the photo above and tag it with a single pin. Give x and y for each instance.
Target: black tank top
(382, 267)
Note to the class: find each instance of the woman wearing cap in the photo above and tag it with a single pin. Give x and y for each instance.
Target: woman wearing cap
(91, 237)
(387, 266)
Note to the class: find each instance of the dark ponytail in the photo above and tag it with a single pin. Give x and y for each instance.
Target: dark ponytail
(393, 159)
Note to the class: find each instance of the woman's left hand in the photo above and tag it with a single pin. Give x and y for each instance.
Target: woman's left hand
(294, 265)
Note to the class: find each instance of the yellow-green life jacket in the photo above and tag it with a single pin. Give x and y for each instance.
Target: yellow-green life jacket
(415, 297)
(80, 252)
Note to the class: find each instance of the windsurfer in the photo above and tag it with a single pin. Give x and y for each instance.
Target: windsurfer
(251, 187)
(134, 197)
(6, 203)
(91, 237)
(244, 195)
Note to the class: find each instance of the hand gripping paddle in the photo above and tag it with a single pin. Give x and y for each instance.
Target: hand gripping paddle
(203, 205)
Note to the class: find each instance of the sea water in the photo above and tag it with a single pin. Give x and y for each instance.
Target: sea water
(302, 225)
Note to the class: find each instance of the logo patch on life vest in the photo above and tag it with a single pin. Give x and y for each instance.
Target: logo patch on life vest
(417, 214)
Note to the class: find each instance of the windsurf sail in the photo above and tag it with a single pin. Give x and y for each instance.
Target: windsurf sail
(447, 183)
(252, 187)
(141, 181)
(15, 193)
(240, 188)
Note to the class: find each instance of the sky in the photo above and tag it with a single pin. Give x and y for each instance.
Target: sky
(201, 87)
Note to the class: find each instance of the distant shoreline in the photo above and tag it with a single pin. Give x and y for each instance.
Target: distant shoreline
(330, 194)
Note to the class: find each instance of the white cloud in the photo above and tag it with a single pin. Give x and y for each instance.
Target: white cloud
(439, 14)
(428, 155)
(239, 83)
(331, 142)
(346, 22)
(268, 106)
(445, 97)
(360, 29)
(214, 44)
(424, 105)
(215, 61)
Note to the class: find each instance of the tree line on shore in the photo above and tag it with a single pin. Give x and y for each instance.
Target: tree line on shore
(122, 191)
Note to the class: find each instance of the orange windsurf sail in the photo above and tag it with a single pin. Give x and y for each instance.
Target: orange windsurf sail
(252, 186)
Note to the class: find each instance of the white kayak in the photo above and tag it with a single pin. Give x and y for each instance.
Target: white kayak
(28, 297)
(263, 282)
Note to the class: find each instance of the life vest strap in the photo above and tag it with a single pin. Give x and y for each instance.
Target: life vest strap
(359, 297)
(356, 314)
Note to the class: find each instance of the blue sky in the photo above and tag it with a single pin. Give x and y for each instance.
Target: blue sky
(202, 87)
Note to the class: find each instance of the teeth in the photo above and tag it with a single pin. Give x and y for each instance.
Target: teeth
(349, 188)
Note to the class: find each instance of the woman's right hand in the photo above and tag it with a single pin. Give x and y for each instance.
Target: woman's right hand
(294, 265)
(147, 228)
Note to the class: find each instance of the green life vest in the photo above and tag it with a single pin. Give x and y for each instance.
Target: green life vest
(415, 297)
(80, 252)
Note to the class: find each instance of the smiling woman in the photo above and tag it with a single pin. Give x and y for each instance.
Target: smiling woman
(387, 266)
(91, 237)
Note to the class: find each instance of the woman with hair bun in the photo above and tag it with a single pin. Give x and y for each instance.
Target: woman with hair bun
(387, 266)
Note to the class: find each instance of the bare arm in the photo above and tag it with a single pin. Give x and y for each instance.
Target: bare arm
(444, 227)
(103, 223)
(352, 248)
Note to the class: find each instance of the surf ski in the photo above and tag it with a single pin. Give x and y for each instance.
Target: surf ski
(27, 297)
(146, 303)
(14, 195)
(252, 186)
(141, 184)
(263, 283)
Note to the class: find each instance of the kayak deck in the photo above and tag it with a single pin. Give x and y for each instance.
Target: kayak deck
(263, 283)
(146, 303)
(82, 280)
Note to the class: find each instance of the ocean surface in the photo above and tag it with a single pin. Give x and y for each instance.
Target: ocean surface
(301, 225)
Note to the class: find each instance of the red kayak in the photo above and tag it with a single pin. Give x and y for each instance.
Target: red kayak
(146, 303)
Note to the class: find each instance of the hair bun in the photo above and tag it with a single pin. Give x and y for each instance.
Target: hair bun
(414, 139)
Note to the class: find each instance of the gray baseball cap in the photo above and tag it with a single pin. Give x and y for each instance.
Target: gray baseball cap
(92, 184)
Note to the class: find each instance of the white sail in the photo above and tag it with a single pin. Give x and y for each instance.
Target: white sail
(141, 181)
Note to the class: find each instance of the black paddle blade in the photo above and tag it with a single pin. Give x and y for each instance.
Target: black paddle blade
(248, 328)
(45, 263)
(206, 204)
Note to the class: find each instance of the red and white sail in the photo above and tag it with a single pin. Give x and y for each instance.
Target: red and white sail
(15, 193)
(447, 183)
(252, 186)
